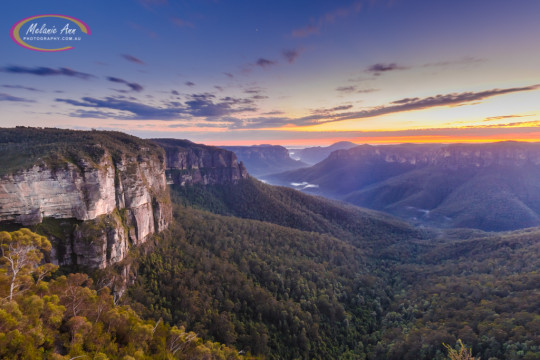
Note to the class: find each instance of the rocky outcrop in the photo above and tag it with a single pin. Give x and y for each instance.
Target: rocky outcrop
(93, 211)
(189, 163)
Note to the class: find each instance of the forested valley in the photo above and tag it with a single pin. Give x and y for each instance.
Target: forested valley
(249, 270)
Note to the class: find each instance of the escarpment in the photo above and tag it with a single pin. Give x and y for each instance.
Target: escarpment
(189, 163)
(93, 193)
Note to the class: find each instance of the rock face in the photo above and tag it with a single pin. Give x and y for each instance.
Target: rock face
(92, 210)
(189, 163)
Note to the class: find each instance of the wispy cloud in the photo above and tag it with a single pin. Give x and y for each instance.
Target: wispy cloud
(190, 83)
(7, 97)
(138, 111)
(463, 61)
(133, 86)
(332, 110)
(204, 105)
(262, 62)
(20, 87)
(224, 109)
(379, 68)
(351, 89)
(346, 89)
(494, 118)
(133, 59)
(402, 105)
(329, 18)
(291, 55)
(45, 71)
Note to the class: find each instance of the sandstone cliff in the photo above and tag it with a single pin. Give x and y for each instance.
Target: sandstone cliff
(189, 163)
(93, 193)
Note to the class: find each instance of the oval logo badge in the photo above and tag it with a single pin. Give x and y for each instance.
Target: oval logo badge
(49, 33)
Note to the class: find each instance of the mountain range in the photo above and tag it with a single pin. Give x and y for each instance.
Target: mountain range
(486, 186)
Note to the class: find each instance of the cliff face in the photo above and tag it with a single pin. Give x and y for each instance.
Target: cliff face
(109, 202)
(450, 156)
(189, 163)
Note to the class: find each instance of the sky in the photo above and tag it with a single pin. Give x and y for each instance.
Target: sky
(293, 73)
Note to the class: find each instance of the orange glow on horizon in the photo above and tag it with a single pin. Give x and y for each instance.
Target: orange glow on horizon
(387, 140)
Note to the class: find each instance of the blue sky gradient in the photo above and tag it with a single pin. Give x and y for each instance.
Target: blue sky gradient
(286, 72)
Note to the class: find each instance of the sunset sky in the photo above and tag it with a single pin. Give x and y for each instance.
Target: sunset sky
(282, 72)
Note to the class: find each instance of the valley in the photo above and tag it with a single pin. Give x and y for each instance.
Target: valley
(232, 268)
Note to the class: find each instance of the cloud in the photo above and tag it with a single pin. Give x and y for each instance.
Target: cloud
(259, 97)
(305, 31)
(350, 89)
(20, 87)
(219, 88)
(174, 92)
(346, 89)
(410, 104)
(275, 112)
(93, 114)
(7, 97)
(262, 62)
(253, 90)
(463, 61)
(204, 105)
(380, 68)
(229, 75)
(492, 118)
(328, 18)
(291, 55)
(190, 83)
(334, 109)
(45, 71)
(198, 105)
(403, 105)
(181, 23)
(134, 86)
(133, 59)
(139, 111)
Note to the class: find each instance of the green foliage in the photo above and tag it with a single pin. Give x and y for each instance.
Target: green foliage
(252, 199)
(268, 289)
(482, 290)
(21, 253)
(68, 318)
(23, 147)
(462, 353)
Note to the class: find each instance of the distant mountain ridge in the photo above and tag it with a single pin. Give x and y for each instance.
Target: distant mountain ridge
(487, 186)
(313, 155)
(263, 160)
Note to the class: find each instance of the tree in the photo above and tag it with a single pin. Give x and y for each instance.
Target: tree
(21, 252)
(463, 353)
